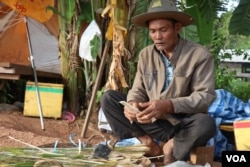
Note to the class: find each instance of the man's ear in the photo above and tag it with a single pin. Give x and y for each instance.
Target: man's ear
(178, 27)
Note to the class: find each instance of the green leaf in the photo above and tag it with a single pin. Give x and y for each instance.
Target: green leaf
(190, 33)
(95, 44)
(70, 9)
(25, 164)
(86, 12)
(202, 21)
(66, 10)
(240, 21)
(54, 10)
(208, 9)
(141, 7)
(142, 37)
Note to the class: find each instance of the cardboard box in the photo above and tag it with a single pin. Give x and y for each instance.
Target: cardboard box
(242, 135)
(51, 96)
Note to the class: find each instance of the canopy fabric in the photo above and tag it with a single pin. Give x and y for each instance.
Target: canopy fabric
(14, 46)
(35, 9)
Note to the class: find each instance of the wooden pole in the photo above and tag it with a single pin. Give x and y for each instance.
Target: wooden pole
(95, 88)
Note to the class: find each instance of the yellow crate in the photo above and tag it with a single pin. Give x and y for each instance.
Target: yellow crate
(51, 96)
(242, 135)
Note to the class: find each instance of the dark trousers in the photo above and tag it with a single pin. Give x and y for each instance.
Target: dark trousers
(194, 129)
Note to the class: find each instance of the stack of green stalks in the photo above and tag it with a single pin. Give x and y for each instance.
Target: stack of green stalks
(64, 157)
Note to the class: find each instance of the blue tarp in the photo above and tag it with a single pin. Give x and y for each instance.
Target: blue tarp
(226, 109)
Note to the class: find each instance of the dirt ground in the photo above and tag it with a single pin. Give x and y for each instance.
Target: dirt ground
(29, 130)
(13, 124)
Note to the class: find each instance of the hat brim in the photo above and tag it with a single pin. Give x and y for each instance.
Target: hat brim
(143, 19)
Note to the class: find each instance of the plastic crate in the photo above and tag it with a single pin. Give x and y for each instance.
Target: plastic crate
(51, 96)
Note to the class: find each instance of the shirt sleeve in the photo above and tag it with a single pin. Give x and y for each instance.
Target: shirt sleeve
(138, 92)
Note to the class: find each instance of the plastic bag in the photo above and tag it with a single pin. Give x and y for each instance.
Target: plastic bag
(85, 47)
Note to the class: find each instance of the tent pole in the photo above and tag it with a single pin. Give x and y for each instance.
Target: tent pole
(35, 76)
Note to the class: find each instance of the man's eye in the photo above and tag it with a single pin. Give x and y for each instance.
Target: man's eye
(164, 30)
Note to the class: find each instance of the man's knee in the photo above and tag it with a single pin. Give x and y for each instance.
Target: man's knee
(111, 98)
(106, 97)
(205, 126)
(207, 122)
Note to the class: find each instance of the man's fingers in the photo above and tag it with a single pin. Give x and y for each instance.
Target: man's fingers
(144, 105)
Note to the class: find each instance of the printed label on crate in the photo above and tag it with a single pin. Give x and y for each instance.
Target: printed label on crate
(236, 159)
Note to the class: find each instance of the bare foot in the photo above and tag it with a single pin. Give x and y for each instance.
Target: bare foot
(168, 152)
(154, 148)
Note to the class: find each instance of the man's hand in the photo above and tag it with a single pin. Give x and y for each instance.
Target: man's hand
(129, 113)
(155, 109)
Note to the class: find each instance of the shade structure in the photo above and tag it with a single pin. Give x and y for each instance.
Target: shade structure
(14, 46)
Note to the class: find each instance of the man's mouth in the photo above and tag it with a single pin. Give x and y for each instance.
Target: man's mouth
(159, 43)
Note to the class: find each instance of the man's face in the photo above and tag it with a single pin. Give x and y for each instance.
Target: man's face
(164, 34)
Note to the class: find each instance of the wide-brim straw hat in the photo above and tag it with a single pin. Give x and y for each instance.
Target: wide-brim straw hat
(162, 9)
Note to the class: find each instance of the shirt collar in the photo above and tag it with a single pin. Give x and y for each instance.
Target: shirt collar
(176, 54)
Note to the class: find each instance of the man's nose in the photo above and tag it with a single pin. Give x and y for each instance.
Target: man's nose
(158, 35)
